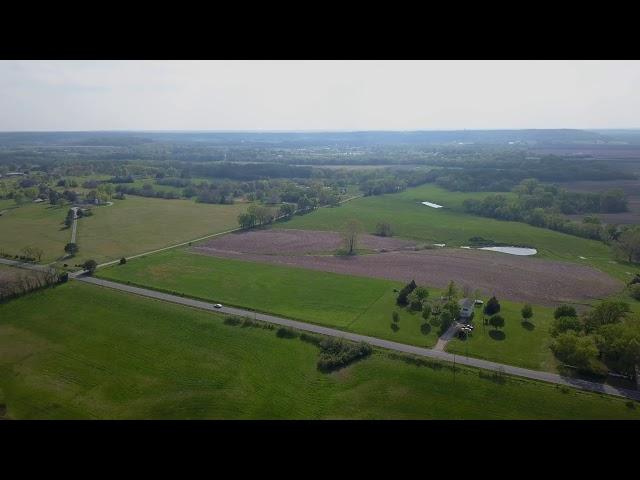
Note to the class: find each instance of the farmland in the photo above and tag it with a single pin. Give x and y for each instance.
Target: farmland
(128, 227)
(358, 304)
(37, 225)
(523, 279)
(139, 224)
(450, 225)
(123, 357)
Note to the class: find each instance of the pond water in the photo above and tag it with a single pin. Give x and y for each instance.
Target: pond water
(512, 250)
(432, 205)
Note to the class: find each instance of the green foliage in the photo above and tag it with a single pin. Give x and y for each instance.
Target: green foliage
(426, 311)
(620, 345)
(492, 306)
(496, 321)
(628, 244)
(578, 351)
(403, 296)
(564, 324)
(338, 353)
(395, 317)
(527, 312)
(565, 311)
(71, 248)
(90, 266)
(123, 261)
(605, 313)
(383, 229)
(634, 291)
(451, 292)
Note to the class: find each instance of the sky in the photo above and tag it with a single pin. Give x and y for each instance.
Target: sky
(317, 95)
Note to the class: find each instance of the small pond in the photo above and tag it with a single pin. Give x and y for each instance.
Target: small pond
(512, 250)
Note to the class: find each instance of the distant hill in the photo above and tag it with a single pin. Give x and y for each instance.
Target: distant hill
(302, 139)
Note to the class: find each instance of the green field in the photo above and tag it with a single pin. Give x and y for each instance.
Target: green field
(522, 344)
(128, 227)
(120, 357)
(358, 304)
(37, 225)
(139, 224)
(450, 225)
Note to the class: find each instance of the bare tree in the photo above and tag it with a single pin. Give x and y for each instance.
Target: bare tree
(351, 232)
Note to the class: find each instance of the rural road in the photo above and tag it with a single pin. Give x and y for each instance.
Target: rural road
(74, 227)
(26, 265)
(387, 344)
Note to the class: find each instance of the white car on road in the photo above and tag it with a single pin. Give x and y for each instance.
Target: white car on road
(217, 305)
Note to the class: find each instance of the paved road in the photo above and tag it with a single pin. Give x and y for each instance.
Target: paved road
(387, 344)
(446, 336)
(26, 265)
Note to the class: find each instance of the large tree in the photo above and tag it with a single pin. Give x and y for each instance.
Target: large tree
(628, 244)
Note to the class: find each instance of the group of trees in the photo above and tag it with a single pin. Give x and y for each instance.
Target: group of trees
(501, 171)
(606, 338)
(256, 215)
(439, 313)
(545, 206)
(18, 284)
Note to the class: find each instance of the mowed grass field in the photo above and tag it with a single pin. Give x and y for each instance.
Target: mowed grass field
(359, 304)
(34, 224)
(123, 357)
(139, 224)
(452, 226)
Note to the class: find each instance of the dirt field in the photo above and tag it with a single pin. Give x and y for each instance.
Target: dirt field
(516, 278)
(292, 242)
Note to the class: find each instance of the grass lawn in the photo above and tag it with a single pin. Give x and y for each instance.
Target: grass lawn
(80, 351)
(522, 344)
(451, 225)
(37, 225)
(358, 304)
(139, 224)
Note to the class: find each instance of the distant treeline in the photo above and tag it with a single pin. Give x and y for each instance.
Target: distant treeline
(501, 174)
(544, 206)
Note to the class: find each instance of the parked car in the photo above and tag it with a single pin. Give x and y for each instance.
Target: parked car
(478, 302)
(217, 305)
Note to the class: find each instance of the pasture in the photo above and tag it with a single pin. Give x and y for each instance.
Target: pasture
(123, 357)
(37, 225)
(139, 224)
(452, 226)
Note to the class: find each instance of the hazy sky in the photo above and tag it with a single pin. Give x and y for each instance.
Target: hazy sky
(318, 95)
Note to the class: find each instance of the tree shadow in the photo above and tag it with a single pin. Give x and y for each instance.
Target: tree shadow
(497, 335)
(425, 328)
(395, 327)
(528, 325)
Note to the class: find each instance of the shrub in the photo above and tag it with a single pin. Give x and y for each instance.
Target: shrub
(286, 332)
(565, 311)
(402, 299)
(496, 321)
(232, 321)
(492, 307)
(395, 316)
(383, 229)
(90, 266)
(565, 324)
(338, 353)
(123, 261)
(634, 291)
(426, 311)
